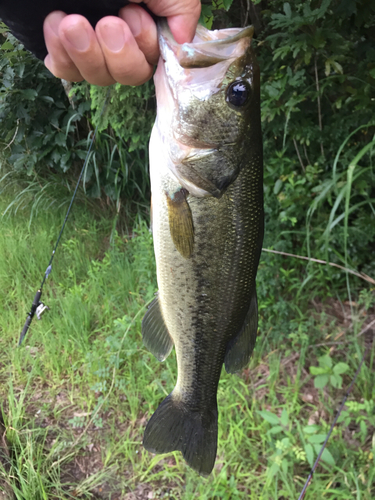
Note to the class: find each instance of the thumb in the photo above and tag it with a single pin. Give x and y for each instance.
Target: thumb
(183, 27)
(182, 16)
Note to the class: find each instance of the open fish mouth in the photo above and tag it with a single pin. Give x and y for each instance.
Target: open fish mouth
(199, 67)
(208, 47)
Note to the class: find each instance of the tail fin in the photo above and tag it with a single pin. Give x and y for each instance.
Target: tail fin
(174, 426)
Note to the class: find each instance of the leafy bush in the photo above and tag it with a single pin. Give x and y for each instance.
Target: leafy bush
(37, 124)
(40, 129)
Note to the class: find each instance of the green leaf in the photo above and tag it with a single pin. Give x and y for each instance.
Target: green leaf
(336, 381)
(269, 417)
(309, 454)
(338, 67)
(227, 4)
(326, 456)
(325, 361)
(340, 368)
(47, 98)
(363, 427)
(321, 381)
(276, 429)
(319, 370)
(287, 10)
(316, 438)
(60, 139)
(273, 470)
(7, 46)
(310, 429)
(30, 94)
(207, 17)
(327, 67)
(277, 187)
(20, 70)
(284, 418)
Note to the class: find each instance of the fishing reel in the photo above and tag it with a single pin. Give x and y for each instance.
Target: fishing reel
(38, 308)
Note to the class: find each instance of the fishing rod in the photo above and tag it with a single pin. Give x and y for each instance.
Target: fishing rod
(38, 308)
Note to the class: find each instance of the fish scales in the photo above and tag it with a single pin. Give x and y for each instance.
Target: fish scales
(207, 219)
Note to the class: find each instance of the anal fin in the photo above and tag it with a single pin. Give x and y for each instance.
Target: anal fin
(240, 348)
(155, 334)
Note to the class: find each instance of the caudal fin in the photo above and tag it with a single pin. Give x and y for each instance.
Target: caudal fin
(174, 426)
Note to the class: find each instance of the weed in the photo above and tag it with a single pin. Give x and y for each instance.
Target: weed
(327, 372)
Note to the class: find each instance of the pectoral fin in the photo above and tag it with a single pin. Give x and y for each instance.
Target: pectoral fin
(181, 222)
(240, 348)
(155, 334)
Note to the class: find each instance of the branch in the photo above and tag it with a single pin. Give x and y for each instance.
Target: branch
(319, 106)
(307, 158)
(14, 136)
(299, 156)
(319, 261)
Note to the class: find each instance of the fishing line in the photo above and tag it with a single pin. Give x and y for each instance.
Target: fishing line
(309, 479)
(38, 307)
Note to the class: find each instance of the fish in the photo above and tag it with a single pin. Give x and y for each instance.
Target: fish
(206, 171)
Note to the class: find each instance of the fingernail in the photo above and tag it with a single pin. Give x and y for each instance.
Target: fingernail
(113, 36)
(133, 20)
(78, 36)
(54, 20)
(47, 62)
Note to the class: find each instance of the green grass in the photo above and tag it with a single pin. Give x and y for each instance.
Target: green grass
(75, 398)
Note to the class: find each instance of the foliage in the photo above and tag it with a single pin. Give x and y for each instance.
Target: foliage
(317, 89)
(210, 10)
(37, 125)
(40, 129)
(293, 442)
(130, 113)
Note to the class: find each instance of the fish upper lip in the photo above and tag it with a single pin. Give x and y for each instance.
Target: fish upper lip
(200, 54)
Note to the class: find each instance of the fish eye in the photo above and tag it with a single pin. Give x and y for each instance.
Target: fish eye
(238, 94)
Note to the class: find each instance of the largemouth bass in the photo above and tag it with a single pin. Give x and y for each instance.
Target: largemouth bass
(207, 220)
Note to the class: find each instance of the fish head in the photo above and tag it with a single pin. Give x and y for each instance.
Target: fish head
(208, 94)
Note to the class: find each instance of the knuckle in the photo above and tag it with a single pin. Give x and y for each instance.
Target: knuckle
(66, 72)
(132, 77)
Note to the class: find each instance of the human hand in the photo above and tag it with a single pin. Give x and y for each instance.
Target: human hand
(121, 49)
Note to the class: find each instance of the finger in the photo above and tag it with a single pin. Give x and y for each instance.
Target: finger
(182, 16)
(125, 61)
(183, 26)
(58, 61)
(144, 31)
(80, 42)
